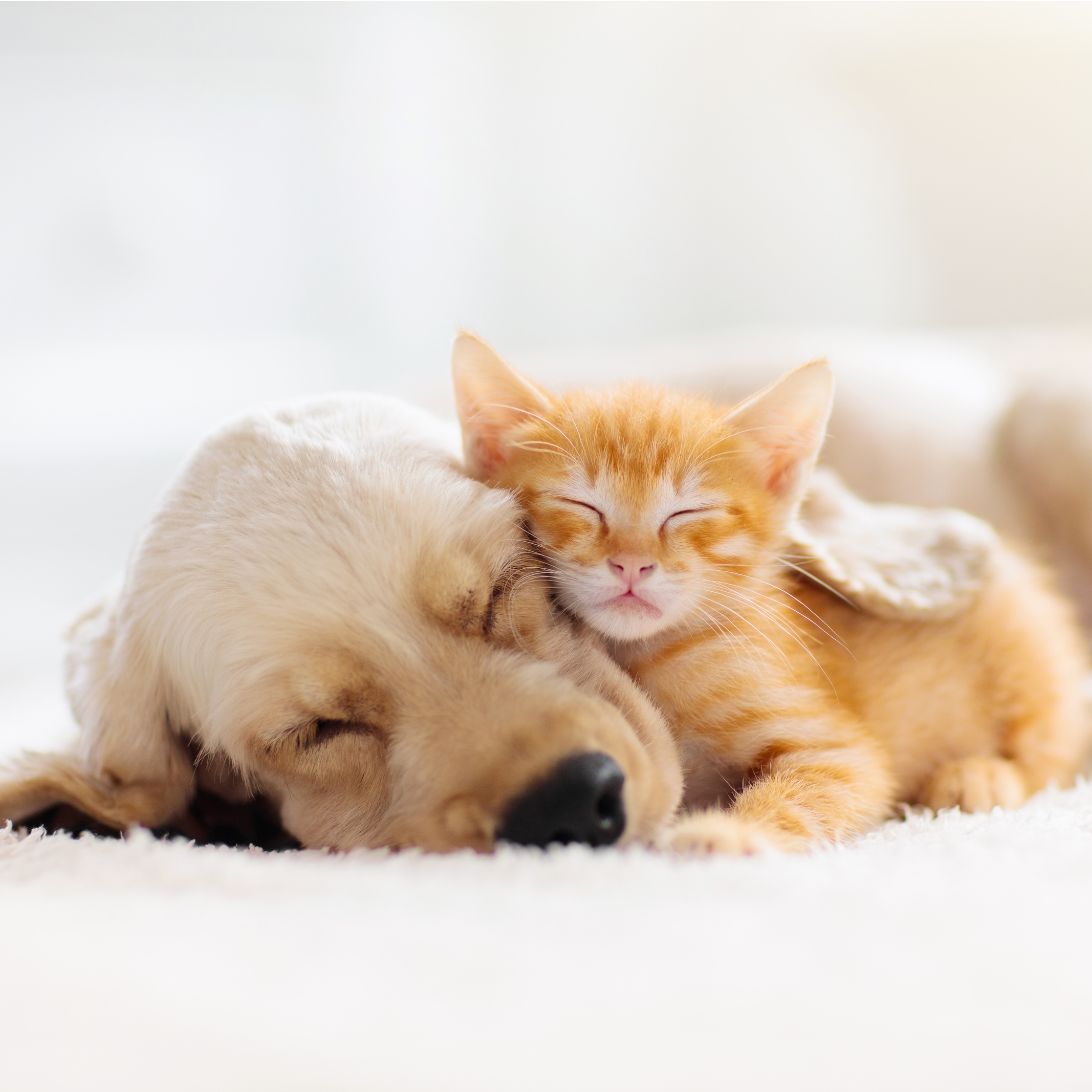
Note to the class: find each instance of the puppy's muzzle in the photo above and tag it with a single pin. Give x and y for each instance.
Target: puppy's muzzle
(580, 800)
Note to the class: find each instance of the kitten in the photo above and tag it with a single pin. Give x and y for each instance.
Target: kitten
(662, 522)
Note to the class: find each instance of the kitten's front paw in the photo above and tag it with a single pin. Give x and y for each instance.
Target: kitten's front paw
(704, 833)
(975, 784)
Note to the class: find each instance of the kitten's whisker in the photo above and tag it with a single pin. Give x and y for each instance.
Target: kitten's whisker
(811, 618)
(764, 612)
(718, 628)
(544, 445)
(701, 461)
(788, 631)
(538, 417)
(696, 458)
(583, 449)
(747, 621)
(771, 426)
(808, 614)
(821, 583)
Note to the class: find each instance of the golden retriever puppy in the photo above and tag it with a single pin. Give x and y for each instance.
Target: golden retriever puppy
(327, 611)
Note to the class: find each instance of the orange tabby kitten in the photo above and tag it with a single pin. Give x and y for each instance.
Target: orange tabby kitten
(662, 518)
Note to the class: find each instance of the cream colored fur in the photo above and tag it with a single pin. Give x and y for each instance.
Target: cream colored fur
(327, 611)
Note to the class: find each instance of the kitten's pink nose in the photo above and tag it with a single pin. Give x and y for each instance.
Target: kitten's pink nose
(631, 568)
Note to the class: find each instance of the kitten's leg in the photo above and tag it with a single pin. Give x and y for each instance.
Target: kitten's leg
(715, 830)
(1038, 698)
(1045, 746)
(816, 780)
(1047, 707)
(978, 783)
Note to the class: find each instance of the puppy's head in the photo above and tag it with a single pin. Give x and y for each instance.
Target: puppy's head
(329, 605)
(412, 686)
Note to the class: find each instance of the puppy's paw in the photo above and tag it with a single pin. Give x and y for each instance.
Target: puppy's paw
(705, 833)
(975, 784)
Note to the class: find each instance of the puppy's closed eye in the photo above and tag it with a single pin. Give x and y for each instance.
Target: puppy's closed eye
(323, 731)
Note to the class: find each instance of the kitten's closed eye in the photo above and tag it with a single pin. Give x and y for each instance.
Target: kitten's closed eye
(587, 507)
(687, 515)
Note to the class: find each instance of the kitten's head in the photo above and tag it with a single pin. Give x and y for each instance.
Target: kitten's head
(650, 507)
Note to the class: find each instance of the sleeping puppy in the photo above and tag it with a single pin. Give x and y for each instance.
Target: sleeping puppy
(326, 611)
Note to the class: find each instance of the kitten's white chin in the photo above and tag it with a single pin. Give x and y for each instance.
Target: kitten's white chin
(625, 619)
(616, 614)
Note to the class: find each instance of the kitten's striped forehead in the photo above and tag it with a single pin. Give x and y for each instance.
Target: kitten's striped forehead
(642, 446)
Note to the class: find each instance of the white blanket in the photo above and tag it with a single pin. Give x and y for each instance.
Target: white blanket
(948, 952)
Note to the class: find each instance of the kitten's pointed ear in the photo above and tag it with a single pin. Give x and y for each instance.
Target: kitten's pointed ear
(785, 424)
(492, 400)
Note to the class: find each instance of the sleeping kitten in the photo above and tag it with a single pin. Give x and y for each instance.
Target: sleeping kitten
(662, 522)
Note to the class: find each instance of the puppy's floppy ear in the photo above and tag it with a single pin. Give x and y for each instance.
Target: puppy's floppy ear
(891, 560)
(128, 766)
(784, 424)
(36, 781)
(492, 400)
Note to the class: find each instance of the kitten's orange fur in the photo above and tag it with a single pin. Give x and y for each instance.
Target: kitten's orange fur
(662, 519)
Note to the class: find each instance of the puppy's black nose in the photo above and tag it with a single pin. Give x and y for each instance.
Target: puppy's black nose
(579, 801)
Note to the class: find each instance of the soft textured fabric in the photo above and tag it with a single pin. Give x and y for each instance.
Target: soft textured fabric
(890, 559)
(949, 952)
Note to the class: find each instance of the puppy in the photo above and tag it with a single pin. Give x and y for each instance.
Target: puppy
(326, 611)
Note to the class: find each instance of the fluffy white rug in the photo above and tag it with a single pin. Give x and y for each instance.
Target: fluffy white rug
(948, 952)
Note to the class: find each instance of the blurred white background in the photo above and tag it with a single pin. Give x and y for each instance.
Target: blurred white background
(207, 206)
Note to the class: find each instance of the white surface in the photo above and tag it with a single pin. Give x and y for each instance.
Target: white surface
(946, 954)
(373, 175)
